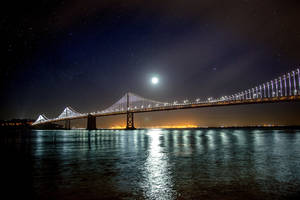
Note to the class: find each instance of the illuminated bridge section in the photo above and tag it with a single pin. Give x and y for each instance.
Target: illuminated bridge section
(131, 102)
(69, 112)
(285, 88)
(40, 119)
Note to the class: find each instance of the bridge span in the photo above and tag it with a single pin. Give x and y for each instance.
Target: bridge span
(285, 88)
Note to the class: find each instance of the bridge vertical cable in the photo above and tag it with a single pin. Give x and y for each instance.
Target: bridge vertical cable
(287, 85)
(298, 72)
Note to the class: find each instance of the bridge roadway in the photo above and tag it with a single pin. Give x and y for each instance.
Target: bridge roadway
(295, 98)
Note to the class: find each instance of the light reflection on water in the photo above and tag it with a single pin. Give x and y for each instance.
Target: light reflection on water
(156, 164)
(157, 183)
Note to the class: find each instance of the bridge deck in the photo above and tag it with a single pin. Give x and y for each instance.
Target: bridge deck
(186, 106)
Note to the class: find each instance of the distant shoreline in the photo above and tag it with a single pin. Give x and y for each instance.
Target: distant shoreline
(246, 127)
(295, 127)
(229, 127)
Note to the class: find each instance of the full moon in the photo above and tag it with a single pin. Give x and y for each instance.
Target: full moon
(154, 80)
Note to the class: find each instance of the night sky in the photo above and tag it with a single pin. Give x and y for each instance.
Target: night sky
(88, 54)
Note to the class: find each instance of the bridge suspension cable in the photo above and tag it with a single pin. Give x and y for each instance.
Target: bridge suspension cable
(69, 112)
(41, 118)
(131, 102)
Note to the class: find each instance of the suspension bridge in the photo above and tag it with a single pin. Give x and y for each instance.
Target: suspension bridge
(285, 88)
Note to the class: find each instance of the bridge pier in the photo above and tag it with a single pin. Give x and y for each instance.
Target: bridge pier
(130, 121)
(91, 122)
(67, 124)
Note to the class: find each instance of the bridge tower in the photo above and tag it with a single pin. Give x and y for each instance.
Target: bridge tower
(91, 122)
(129, 119)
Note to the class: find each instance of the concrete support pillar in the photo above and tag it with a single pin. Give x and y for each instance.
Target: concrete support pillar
(91, 122)
(67, 124)
(130, 121)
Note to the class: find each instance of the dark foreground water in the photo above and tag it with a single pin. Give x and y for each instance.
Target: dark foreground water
(151, 164)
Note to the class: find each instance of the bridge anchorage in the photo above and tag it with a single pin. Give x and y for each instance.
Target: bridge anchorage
(285, 88)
